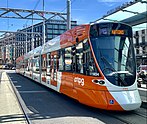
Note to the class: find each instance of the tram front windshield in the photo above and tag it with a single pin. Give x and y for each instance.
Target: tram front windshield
(113, 48)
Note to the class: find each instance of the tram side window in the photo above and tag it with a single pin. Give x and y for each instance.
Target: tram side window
(55, 66)
(36, 64)
(68, 59)
(89, 65)
(29, 65)
(25, 64)
(43, 59)
(48, 64)
(79, 58)
(61, 60)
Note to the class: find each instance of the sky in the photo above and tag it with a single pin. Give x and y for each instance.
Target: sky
(82, 11)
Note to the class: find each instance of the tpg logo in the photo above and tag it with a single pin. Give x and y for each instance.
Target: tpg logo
(80, 81)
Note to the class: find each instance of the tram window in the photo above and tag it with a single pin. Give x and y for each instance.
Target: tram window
(61, 60)
(28, 64)
(68, 59)
(79, 58)
(55, 67)
(89, 66)
(43, 58)
(29, 68)
(25, 64)
(36, 64)
(48, 64)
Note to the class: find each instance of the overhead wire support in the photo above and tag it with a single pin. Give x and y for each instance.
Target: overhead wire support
(68, 14)
(26, 14)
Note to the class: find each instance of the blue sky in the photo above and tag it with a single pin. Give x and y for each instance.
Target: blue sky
(83, 11)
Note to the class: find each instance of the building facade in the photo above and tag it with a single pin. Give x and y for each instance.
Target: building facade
(7, 48)
(25, 40)
(140, 43)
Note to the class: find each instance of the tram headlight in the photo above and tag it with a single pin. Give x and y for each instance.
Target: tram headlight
(101, 82)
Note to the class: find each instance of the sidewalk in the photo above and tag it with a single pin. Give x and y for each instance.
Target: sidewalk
(10, 111)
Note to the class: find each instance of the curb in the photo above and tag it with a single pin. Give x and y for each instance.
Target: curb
(20, 101)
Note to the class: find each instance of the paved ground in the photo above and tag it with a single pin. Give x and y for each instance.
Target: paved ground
(10, 111)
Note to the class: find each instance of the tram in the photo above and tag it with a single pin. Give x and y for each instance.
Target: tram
(93, 63)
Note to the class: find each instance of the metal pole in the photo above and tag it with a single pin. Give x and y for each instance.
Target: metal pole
(26, 40)
(68, 14)
(32, 34)
(43, 23)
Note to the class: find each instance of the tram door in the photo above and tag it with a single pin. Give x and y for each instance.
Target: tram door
(54, 67)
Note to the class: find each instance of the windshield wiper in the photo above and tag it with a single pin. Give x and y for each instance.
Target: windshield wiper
(120, 72)
(112, 68)
(114, 71)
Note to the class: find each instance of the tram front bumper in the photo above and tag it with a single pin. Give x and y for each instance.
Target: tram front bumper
(128, 100)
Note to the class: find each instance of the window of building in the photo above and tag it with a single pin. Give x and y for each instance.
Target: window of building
(56, 32)
(143, 39)
(143, 31)
(61, 31)
(55, 26)
(49, 26)
(49, 31)
(50, 36)
(137, 51)
(62, 27)
(144, 50)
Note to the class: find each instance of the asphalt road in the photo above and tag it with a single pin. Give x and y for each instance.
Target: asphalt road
(46, 106)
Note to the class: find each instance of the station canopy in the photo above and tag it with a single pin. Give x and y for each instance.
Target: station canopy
(133, 13)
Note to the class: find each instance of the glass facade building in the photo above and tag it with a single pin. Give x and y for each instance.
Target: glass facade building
(24, 41)
(53, 28)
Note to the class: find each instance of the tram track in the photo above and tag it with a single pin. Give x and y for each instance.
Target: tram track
(145, 116)
(20, 101)
(141, 112)
(129, 117)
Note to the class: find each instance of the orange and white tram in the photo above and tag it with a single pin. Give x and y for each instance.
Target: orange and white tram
(93, 63)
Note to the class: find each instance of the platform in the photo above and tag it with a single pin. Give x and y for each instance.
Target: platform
(10, 110)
